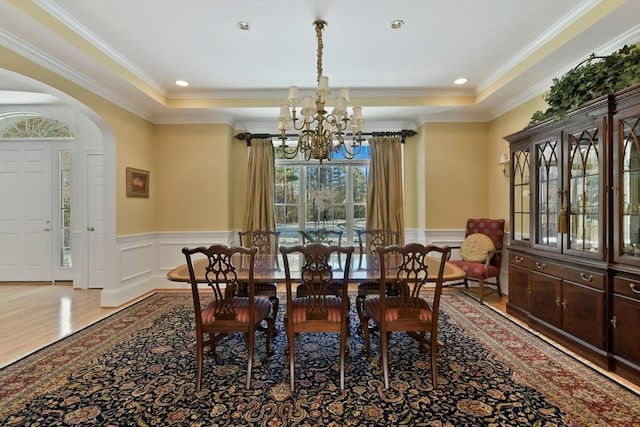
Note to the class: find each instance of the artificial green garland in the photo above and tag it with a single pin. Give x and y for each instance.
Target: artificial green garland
(594, 77)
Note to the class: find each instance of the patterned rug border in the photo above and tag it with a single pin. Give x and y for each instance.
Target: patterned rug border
(551, 378)
(557, 346)
(555, 373)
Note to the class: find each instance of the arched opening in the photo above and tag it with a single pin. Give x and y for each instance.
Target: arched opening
(83, 139)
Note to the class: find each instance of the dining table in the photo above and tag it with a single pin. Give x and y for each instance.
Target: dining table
(267, 269)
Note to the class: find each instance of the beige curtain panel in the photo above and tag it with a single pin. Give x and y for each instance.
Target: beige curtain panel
(259, 203)
(385, 208)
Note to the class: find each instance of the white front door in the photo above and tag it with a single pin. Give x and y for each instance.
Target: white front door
(95, 220)
(25, 211)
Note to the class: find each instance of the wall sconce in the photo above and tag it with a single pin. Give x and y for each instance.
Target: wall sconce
(505, 162)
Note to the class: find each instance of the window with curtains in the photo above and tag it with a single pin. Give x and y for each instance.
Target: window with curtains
(310, 196)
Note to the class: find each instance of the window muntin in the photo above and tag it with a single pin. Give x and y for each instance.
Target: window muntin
(310, 195)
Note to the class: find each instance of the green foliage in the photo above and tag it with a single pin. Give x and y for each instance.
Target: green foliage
(594, 77)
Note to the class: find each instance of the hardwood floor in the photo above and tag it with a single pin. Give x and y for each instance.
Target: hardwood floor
(34, 315)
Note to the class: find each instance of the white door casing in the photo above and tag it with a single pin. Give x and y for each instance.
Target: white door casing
(95, 220)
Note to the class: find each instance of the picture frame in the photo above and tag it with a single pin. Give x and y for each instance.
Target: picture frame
(137, 183)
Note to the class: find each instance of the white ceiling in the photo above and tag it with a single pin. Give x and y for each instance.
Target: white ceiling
(131, 52)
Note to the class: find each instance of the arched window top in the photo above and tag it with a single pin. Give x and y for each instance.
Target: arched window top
(30, 125)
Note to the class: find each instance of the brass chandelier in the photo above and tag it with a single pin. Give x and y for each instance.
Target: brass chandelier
(320, 133)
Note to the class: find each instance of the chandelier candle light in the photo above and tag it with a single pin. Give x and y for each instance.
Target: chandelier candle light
(320, 133)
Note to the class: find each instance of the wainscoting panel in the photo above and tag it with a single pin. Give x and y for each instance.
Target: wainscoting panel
(170, 251)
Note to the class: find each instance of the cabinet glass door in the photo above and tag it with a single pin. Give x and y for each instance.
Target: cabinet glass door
(629, 186)
(546, 224)
(521, 196)
(585, 204)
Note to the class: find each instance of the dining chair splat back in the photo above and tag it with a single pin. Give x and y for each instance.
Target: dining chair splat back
(369, 241)
(325, 236)
(322, 235)
(223, 312)
(415, 307)
(318, 310)
(267, 243)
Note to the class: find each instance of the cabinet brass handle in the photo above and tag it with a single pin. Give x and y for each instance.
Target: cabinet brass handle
(633, 288)
(564, 304)
(558, 301)
(586, 277)
(540, 265)
(614, 322)
(518, 258)
(529, 289)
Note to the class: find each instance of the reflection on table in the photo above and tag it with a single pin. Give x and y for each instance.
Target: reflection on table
(265, 270)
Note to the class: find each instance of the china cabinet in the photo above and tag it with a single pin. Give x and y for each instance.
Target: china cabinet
(574, 251)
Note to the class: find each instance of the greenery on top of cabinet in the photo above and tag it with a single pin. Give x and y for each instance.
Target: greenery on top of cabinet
(594, 77)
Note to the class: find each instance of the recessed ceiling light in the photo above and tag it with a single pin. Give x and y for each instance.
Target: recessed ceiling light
(461, 81)
(243, 25)
(397, 24)
(182, 83)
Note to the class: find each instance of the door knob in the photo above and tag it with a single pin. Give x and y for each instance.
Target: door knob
(91, 229)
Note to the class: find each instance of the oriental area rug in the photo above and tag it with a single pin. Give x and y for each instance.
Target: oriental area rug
(137, 368)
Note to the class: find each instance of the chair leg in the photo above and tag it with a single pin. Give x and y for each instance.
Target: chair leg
(270, 331)
(466, 283)
(275, 302)
(360, 309)
(384, 341)
(481, 289)
(250, 342)
(434, 361)
(292, 357)
(498, 285)
(199, 358)
(212, 338)
(343, 354)
(366, 331)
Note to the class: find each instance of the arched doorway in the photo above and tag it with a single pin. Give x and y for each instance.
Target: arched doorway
(94, 144)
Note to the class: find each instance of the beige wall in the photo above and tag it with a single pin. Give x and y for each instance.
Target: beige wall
(198, 172)
(455, 160)
(133, 136)
(199, 165)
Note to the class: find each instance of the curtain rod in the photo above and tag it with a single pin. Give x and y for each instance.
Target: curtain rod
(248, 136)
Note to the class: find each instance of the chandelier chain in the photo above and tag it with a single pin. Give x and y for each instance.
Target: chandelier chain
(319, 27)
(321, 132)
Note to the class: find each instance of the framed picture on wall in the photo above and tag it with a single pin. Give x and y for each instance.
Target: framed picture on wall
(137, 183)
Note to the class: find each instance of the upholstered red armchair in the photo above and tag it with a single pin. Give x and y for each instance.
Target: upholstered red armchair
(481, 253)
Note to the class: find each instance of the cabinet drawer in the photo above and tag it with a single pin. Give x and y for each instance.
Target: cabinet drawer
(588, 278)
(546, 267)
(627, 287)
(520, 260)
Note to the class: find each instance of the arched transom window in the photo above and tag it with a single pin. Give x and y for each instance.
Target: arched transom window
(29, 125)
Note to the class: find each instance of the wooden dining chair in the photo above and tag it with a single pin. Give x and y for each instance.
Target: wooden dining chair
(415, 308)
(267, 243)
(368, 242)
(318, 310)
(222, 312)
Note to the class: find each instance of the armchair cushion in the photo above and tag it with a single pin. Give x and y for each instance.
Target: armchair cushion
(476, 270)
(476, 247)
